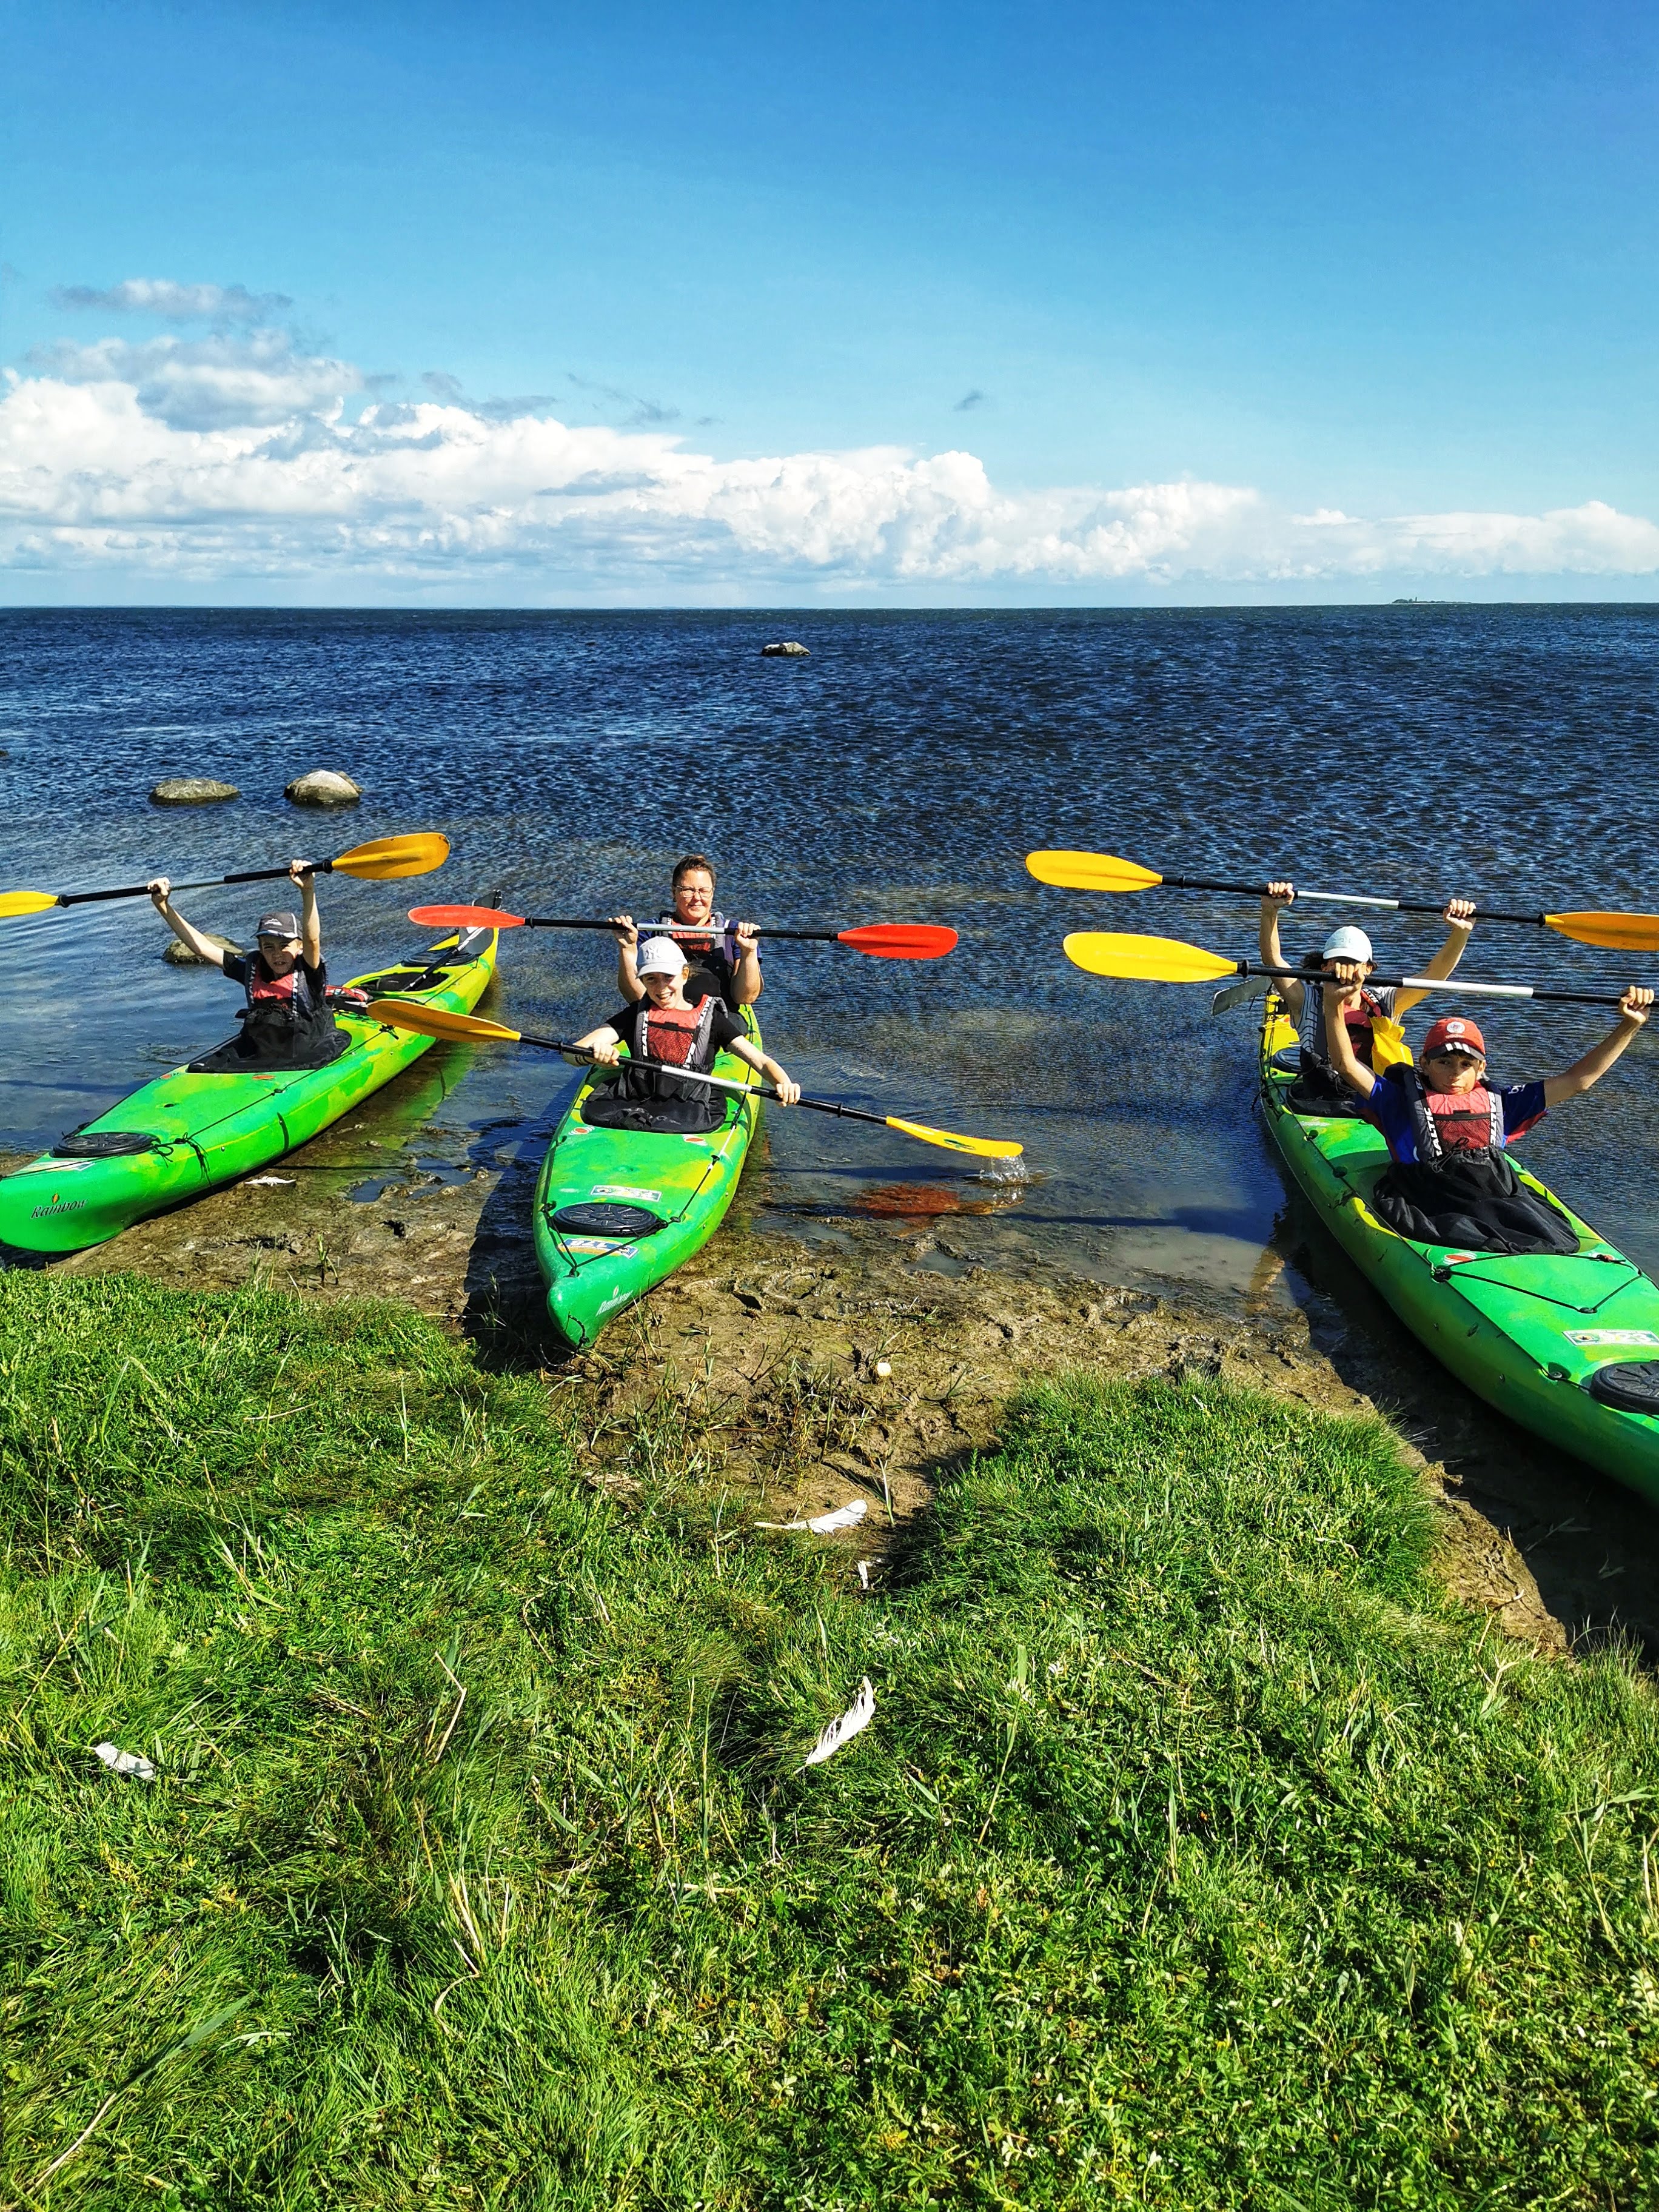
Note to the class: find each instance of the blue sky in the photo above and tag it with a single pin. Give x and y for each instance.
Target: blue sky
(1326, 261)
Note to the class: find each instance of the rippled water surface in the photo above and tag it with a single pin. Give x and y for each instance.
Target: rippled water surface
(901, 772)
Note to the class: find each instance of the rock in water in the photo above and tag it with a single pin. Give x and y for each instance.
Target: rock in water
(179, 954)
(323, 786)
(790, 649)
(192, 791)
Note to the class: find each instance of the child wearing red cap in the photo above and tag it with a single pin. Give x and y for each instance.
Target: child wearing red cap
(1451, 1182)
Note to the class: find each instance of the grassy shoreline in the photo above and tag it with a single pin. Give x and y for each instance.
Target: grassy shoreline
(1200, 1853)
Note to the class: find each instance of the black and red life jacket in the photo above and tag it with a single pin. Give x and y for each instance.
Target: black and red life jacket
(712, 951)
(285, 1020)
(679, 1034)
(1457, 1124)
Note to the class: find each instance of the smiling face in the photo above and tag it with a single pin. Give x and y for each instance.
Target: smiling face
(664, 990)
(693, 896)
(1450, 1073)
(279, 954)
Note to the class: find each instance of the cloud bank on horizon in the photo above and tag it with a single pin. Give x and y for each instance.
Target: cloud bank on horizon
(237, 454)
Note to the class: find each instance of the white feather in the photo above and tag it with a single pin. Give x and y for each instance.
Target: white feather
(859, 1715)
(124, 1762)
(822, 1524)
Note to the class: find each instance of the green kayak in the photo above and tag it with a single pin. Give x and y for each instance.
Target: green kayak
(1567, 1346)
(171, 1140)
(617, 1211)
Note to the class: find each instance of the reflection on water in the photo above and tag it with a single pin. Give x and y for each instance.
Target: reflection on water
(900, 774)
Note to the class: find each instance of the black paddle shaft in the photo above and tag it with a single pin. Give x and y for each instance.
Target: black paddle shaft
(207, 884)
(1437, 984)
(1340, 898)
(680, 929)
(718, 1082)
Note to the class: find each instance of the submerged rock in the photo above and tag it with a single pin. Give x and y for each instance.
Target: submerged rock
(323, 786)
(192, 791)
(791, 648)
(179, 954)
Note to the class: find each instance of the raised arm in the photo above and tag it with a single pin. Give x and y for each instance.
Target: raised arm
(746, 976)
(1459, 918)
(628, 949)
(1345, 991)
(311, 927)
(1632, 1016)
(186, 932)
(1280, 896)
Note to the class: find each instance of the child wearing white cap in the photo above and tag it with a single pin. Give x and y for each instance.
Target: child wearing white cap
(665, 1025)
(1320, 1088)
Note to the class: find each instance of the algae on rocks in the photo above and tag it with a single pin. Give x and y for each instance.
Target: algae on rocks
(193, 791)
(323, 786)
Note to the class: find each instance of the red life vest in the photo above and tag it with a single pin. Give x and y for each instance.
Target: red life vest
(1461, 1122)
(292, 991)
(678, 1034)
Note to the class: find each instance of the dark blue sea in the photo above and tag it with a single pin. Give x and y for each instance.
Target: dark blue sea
(901, 772)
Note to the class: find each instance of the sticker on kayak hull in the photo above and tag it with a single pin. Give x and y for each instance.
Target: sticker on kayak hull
(621, 1190)
(1610, 1336)
(600, 1244)
(52, 1167)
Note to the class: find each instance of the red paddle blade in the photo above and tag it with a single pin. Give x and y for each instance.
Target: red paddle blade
(465, 917)
(901, 941)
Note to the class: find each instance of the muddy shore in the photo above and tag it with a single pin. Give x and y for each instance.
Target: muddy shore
(854, 1366)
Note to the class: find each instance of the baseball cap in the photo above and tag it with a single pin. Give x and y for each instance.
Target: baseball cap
(1455, 1033)
(660, 956)
(1347, 944)
(284, 925)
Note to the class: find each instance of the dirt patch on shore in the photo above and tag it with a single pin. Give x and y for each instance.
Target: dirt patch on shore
(810, 1377)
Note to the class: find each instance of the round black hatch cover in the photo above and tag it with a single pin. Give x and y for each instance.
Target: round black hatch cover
(105, 1144)
(1630, 1385)
(604, 1219)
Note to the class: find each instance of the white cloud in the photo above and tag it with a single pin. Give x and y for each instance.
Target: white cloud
(175, 303)
(249, 381)
(237, 455)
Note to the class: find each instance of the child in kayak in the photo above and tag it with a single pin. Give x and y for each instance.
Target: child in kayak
(1320, 1088)
(665, 1024)
(286, 1022)
(725, 957)
(1450, 1180)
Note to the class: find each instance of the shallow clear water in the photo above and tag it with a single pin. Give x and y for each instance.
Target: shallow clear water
(901, 772)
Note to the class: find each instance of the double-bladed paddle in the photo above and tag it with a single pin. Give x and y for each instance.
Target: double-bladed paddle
(1102, 872)
(1167, 960)
(881, 940)
(438, 1022)
(381, 860)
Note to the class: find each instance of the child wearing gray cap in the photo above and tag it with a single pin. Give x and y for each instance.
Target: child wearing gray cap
(286, 1022)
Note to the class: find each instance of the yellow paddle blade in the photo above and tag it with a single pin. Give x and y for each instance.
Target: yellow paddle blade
(383, 859)
(1089, 872)
(16, 902)
(1620, 932)
(1144, 959)
(987, 1148)
(436, 1022)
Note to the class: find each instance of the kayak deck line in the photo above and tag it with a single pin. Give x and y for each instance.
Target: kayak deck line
(683, 1182)
(1498, 1322)
(202, 1131)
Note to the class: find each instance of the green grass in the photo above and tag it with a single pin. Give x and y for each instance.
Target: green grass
(1198, 1855)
